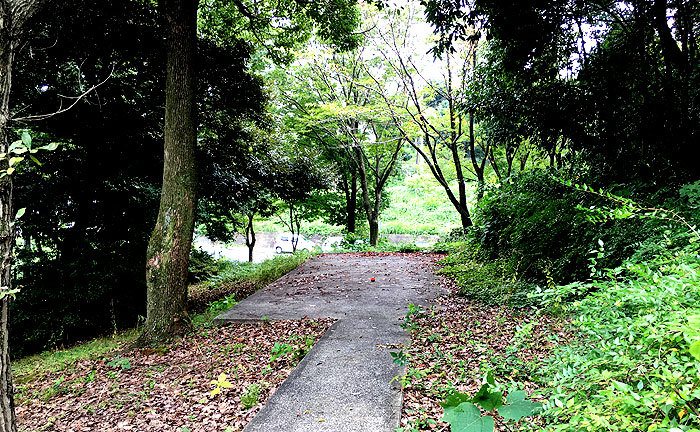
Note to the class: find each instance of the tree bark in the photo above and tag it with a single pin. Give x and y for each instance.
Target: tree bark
(250, 237)
(169, 247)
(372, 209)
(7, 406)
(351, 221)
(14, 15)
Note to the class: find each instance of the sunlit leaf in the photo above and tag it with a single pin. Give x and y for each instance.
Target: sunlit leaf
(518, 406)
(26, 139)
(694, 321)
(695, 350)
(35, 160)
(15, 160)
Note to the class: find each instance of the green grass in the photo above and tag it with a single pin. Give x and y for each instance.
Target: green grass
(419, 205)
(54, 360)
(260, 273)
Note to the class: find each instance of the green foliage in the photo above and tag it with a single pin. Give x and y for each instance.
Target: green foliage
(280, 350)
(221, 382)
(22, 146)
(250, 398)
(525, 222)
(414, 312)
(399, 357)
(691, 193)
(120, 362)
(449, 248)
(632, 365)
(548, 81)
(418, 206)
(463, 414)
(202, 265)
(259, 24)
(50, 361)
(626, 208)
(224, 304)
(489, 282)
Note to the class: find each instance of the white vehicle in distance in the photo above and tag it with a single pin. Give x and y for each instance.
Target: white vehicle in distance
(283, 243)
(331, 243)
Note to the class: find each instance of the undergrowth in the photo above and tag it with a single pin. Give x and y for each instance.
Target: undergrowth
(633, 361)
(630, 367)
(233, 280)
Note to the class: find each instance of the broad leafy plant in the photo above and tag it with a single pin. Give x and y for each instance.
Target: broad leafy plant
(463, 414)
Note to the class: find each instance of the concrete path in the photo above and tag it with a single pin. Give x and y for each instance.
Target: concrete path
(344, 384)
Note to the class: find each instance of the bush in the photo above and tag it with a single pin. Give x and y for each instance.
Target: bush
(456, 235)
(202, 266)
(629, 368)
(531, 222)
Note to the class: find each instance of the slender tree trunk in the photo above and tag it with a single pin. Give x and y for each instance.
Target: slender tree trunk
(295, 235)
(372, 217)
(352, 203)
(523, 160)
(373, 229)
(495, 165)
(250, 237)
(169, 247)
(14, 15)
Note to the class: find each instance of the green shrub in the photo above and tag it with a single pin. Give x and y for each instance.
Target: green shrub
(449, 247)
(531, 222)
(456, 235)
(250, 398)
(629, 366)
(202, 265)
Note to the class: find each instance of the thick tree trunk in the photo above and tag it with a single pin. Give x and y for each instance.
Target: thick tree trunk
(7, 406)
(13, 17)
(169, 246)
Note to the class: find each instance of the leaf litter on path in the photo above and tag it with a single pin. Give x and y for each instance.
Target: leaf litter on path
(173, 388)
(458, 341)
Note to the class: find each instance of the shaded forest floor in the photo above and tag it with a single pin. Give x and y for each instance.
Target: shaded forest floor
(213, 380)
(459, 341)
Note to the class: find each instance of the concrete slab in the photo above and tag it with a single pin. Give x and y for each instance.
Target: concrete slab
(344, 384)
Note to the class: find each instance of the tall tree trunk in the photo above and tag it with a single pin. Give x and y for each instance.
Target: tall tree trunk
(250, 237)
(7, 406)
(169, 247)
(372, 217)
(14, 15)
(352, 203)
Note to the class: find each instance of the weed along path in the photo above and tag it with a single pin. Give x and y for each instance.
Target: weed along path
(344, 384)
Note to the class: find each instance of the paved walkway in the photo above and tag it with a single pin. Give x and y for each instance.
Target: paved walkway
(344, 384)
